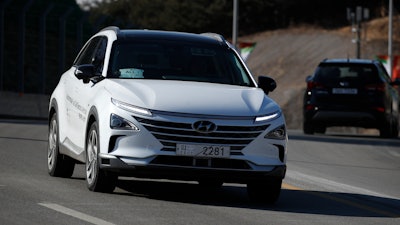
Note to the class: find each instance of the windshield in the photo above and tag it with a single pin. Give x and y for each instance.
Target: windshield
(333, 73)
(176, 61)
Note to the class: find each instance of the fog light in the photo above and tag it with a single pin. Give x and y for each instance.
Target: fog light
(277, 133)
(117, 122)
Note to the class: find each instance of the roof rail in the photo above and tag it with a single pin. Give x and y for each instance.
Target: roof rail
(216, 36)
(113, 28)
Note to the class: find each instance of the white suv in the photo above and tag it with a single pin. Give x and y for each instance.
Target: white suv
(169, 105)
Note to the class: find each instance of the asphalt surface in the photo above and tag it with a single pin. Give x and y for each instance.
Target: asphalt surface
(331, 179)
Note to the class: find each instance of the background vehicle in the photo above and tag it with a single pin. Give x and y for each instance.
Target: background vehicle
(166, 105)
(351, 92)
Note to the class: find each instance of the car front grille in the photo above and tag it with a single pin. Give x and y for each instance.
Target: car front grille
(171, 133)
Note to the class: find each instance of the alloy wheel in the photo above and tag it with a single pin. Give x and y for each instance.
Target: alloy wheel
(91, 160)
(51, 150)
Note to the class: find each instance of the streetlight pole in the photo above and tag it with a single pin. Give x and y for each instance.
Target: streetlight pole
(235, 23)
(358, 31)
(356, 18)
(390, 33)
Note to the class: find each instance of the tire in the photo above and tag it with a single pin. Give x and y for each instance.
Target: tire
(58, 165)
(390, 129)
(320, 129)
(264, 191)
(308, 128)
(97, 179)
(395, 129)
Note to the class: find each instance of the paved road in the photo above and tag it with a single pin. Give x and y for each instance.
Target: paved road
(332, 179)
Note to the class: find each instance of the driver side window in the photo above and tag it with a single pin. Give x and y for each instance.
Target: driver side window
(93, 53)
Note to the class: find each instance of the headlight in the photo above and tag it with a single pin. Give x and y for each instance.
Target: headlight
(131, 108)
(277, 133)
(267, 117)
(117, 122)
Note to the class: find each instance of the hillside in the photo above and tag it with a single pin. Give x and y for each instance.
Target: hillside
(290, 55)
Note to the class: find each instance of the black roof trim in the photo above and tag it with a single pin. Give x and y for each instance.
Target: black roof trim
(165, 35)
(349, 60)
(170, 35)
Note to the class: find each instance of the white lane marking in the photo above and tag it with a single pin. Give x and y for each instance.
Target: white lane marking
(333, 185)
(76, 214)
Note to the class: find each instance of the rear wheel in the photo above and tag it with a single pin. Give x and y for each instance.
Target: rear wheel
(97, 179)
(390, 129)
(308, 127)
(264, 191)
(58, 165)
(320, 129)
(395, 129)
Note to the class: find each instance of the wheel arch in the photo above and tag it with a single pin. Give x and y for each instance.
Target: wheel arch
(93, 116)
(52, 109)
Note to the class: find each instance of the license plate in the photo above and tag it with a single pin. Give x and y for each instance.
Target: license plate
(345, 91)
(204, 151)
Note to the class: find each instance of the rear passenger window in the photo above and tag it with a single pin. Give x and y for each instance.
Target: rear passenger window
(362, 73)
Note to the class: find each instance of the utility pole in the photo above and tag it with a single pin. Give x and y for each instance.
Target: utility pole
(356, 18)
(358, 31)
(235, 26)
(390, 38)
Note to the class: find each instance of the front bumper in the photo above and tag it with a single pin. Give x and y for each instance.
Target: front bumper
(233, 172)
(367, 119)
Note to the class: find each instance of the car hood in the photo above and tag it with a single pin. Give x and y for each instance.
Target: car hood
(192, 97)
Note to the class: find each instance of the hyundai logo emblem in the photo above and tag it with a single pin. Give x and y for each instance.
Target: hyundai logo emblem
(204, 126)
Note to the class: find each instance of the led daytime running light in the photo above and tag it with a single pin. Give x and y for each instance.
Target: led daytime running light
(131, 108)
(267, 117)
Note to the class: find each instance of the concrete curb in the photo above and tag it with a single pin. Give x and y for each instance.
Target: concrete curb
(23, 106)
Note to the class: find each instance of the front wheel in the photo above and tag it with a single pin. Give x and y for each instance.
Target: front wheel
(58, 165)
(97, 179)
(267, 191)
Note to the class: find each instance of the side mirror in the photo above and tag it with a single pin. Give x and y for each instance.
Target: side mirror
(267, 84)
(395, 82)
(308, 78)
(85, 72)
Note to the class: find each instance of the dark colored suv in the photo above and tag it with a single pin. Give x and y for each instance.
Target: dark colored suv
(351, 92)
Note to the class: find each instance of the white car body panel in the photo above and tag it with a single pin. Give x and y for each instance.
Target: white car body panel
(175, 106)
(168, 96)
(193, 97)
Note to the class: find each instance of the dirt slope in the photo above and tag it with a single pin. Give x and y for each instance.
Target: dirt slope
(290, 55)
